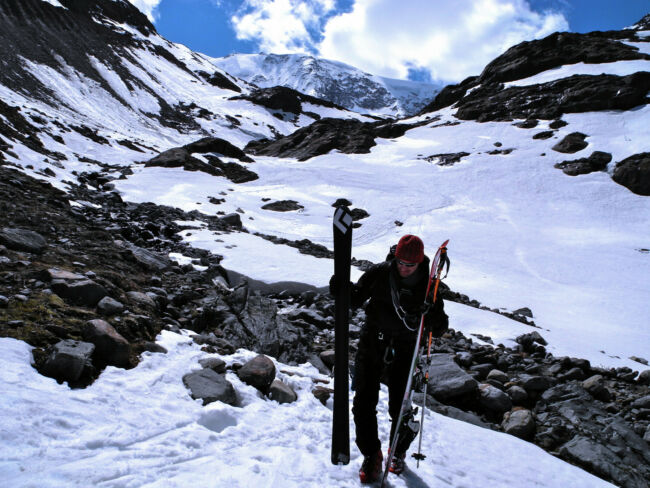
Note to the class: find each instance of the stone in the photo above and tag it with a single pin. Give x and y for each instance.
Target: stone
(595, 385)
(281, 392)
(208, 386)
(598, 161)
(310, 316)
(493, 399)
(447, 379)
(149, 260)
(498, 375)
(643, 402)
(283, 206)
(141, 299)
(4, 301)
(110, 347)
(572, 374)
(634, 173)
(571, 143)
(109, 306)
(591, 456)
(22, 240)
(259, 372)
(328, 357)
(519, 423)
(219, 146)
(517, 394)
(644, 377)
(67, 360)
(322, 394)
(532, 383)
(232, 219)
(60, 274)
(81, 292)
(215, 364)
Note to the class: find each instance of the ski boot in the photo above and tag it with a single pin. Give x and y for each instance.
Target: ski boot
(371, 468)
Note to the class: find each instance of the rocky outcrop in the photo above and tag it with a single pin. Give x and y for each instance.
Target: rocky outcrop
(598, 161)
(325, 135)
(634, 173)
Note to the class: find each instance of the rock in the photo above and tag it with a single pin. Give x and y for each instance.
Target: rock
(591, 456)
(278, 98)
(534, 383)
(22, 240)
(141, 300)
(596, 162)
(149, 260)
(53, 274)
(283, 206)
(639, 360)
(82, 292)
(259, 372)
(529, 340)
(310, 316)
(643, 402)
(493, 399)
(482, 370)
(519, 423)
(546, 134)
(67, 361)
(634, 173)
(150, 346)
(232, 219)
(282, 393)
(527, 312)
(498, 375)
(644, 377)
(219, 146)
(447, 379)
(572, 374)
(646, 436)
(215, 364)
(109, 306)
(595, 385)
(571, 143)
(322, 393)
(110, 347)
(328, 357)
(517, 394)
(4, 301)
(450, 411)
(209, 386)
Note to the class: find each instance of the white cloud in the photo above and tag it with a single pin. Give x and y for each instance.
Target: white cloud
(452, 39)
(147, 7)
(282, 26)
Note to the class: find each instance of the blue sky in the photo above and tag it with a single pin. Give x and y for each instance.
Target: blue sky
(444, 40)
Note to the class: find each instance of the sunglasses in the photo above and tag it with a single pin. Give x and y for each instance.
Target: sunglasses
(406, 265)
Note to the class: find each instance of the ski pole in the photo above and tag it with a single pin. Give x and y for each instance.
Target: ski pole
(419, 456)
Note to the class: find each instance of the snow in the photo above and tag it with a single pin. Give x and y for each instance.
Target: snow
(140, 428)
(619, 68)
(523, 234)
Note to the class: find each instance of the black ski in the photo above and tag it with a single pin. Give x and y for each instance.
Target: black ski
(342, 255)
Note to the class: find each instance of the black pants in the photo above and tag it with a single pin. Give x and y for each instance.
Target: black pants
(369, 367)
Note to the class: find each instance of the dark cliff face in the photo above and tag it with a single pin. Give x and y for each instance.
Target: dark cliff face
(530, 58)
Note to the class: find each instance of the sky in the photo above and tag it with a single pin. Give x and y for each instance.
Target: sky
(420, 40)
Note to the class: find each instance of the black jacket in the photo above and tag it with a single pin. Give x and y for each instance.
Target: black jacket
(398, 317)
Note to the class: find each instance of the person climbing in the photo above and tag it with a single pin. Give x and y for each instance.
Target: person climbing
(395, 291)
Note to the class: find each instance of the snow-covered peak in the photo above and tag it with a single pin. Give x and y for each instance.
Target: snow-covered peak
(331, 80)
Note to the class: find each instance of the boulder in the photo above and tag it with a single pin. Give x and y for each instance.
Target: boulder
(517, 394)
(643, 402)
(281, 392)
(259, 372)
(215, 364)
(493, 399)
(109, 306)
(22, 240)
(598, 161)
(67, 361)
(219, 146)
(592, 456)
(532, 383)
(519, 423)
(110, 347)
(53, 274)
(149, 260)
(310, 316)
(283, 206)
(634, 173)
(328, 356)
(209, 386)
(595, 385)
(447, 380)
(571, 143)
(322, 394)
(644, 377)
(232, 219)
(498, 375)
(141, 300)
(81, 292)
